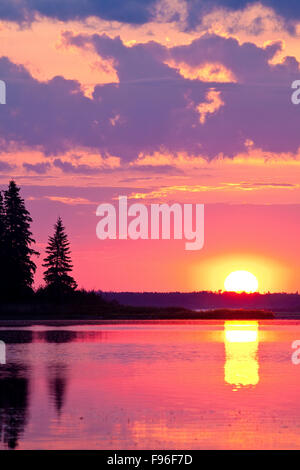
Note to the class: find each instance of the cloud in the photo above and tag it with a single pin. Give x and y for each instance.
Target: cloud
(246, 63)
(161, 169)
(70, 201)
(167, 191)
(158, 109)
(197, 9)
(40, 168)
(208, 72)
(107, 164)
(26, 11)
(68, 167)
(188, 13)
(4, 166)
(160, 105)
(212, 104)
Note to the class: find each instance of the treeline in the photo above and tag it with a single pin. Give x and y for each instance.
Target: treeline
(208, 300)
(17, 254)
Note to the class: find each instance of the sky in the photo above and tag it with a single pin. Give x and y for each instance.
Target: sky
(163, 101)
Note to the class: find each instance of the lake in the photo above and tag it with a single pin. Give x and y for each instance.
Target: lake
(150, 385)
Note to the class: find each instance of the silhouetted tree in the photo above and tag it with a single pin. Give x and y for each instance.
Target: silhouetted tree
(58, 263)
(19, 267)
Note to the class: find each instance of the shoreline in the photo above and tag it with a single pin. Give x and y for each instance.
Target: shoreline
(134, 314)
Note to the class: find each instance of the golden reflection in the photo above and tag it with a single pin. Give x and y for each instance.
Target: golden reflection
(241, 346)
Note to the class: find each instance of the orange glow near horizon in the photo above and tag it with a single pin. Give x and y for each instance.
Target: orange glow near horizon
(272, 275)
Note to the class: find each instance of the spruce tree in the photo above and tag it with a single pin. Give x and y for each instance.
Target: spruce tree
(18, 243)
(58, 263)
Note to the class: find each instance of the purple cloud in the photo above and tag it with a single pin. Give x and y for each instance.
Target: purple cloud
(158, 107)
(4, 166)
(40, 168)
(133, 11)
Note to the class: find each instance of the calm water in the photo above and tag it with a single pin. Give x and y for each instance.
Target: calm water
(180, 385)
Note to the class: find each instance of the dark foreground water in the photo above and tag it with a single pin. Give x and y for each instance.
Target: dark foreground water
(145, 385)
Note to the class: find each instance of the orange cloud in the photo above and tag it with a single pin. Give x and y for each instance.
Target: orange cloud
(211, 106)
(42, 49)
(209, 72)
(71, 201)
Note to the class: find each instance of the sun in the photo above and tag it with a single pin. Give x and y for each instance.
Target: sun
(241, 281)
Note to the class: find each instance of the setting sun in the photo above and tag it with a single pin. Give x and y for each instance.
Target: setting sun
(241, 281)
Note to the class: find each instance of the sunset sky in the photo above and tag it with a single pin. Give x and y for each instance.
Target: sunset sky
(160, 101)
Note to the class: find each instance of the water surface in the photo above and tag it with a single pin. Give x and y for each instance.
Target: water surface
(151, 385)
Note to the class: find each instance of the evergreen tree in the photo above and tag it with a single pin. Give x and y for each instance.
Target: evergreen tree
(18, 240)
(58, 263)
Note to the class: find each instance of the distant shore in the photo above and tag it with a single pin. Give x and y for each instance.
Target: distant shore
(48, 312)
(273, 302)
(92, 308)
(88, 306)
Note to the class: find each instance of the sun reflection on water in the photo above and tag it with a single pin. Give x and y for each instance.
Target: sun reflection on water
(241, 367)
